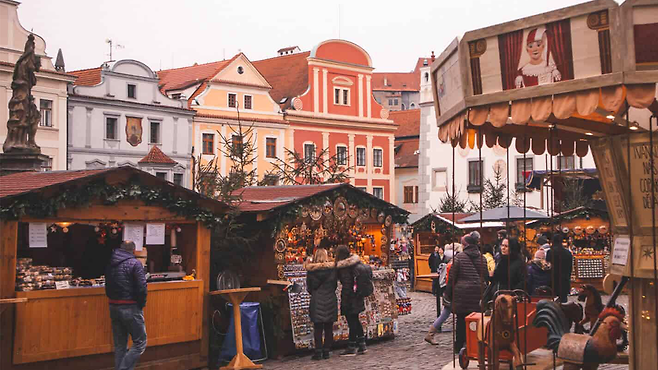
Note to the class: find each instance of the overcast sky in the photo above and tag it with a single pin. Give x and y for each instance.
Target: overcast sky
(167, 33)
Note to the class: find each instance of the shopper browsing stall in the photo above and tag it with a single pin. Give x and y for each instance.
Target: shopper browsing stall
(321, 283)
(509, 273)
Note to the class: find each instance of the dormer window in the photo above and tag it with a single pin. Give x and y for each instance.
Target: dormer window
(240, 70)
(132, 91)
(341, 96)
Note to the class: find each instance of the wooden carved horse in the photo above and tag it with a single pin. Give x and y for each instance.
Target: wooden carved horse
(593, 306)
(501, 333)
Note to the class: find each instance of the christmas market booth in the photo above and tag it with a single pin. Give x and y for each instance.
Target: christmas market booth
(588, 236)
(439, 229)
(291, 220)
(57, 233)
(566, 82)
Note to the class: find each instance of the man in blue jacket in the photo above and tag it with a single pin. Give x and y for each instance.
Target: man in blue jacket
(125, 287)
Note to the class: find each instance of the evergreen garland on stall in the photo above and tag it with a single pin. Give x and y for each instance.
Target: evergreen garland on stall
(37, 206)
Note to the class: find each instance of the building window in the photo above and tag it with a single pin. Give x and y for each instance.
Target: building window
(360, 156)
(566, 163)
(427, 77)
(378, 192)
(178, 179)
(208, 143)
(341, 96)
(416, 194)
(270, 180)
(176, 96)
(409, 194)
(523, 168)
(395, 102)
(132, 91)
(378, 157)
(474, 171)
(232, 99)
(155, 133)
(236, 145)
(247, 102)
(161, 175)
(111, 128)
(440, 179)
(309, 153)
(390, 102)
(47, 165)
(341, 155)
(412, 105)
(46, 107)
(270, 147)
(362, 188)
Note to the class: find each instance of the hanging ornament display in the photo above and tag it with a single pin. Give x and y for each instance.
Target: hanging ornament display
(388, 221)
(603, 229)
(316, 213)
(433, 226)
(578, 230)
(565, 230)
(373, 213)
(280, 245)
(381, 217)
(352, 211)
(340, 208)
(590, 229)
(328, 208)
(304, 212)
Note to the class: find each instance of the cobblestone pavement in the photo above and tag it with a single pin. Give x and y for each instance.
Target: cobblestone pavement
(407, 350)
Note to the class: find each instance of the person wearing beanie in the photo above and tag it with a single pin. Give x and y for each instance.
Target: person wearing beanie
(539, 272)
(543, 243)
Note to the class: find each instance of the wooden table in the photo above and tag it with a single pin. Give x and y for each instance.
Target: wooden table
(5, 302)
(236, 296)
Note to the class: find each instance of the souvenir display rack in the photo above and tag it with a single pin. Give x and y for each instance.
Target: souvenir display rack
(379, 320)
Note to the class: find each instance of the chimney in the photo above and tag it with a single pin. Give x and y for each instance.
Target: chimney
(385, 82)
(433, 57)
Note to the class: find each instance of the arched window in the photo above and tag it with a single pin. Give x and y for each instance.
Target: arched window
(412, 105)
(427, 77)
(403, 107)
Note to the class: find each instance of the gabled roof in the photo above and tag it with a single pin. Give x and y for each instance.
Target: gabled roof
(50, 182)
(406, 153)
(155, 155)
(184, 77)
(266, 198)
(287, 74)
(399, 81)
(87, 77)
(24, 182)
(408, 122)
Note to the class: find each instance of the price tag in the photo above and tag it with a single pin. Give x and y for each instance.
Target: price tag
(620, 250)
(62, 284)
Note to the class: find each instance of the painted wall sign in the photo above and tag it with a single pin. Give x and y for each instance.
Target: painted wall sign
(38, 235)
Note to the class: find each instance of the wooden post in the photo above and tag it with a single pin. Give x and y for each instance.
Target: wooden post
(203, 273)
(8, 245)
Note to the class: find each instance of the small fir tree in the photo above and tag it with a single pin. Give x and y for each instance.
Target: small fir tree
(317, 169)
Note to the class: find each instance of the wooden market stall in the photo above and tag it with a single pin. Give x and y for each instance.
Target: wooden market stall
(437, 229)
(290, 219)
(57, 233)
(566, 82)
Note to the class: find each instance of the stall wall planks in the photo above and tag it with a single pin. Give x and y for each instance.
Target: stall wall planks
(8, 237)
(203, 272)
(125, 213)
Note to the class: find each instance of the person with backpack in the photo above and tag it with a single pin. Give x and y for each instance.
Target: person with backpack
(356, 281)
(321, 283)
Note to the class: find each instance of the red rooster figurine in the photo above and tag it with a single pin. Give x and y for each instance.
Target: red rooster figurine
(580, 351)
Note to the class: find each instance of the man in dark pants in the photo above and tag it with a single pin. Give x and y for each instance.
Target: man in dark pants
(562, 264)
(435, 260)
(125, 286)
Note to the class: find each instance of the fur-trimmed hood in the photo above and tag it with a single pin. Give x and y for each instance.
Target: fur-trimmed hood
(350, 261)
(310, 266)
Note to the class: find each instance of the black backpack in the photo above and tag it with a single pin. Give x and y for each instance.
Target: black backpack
(363, 279)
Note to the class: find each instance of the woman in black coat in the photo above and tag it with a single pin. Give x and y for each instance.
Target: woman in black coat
(351, 303)
(510, 270)
(321, 283)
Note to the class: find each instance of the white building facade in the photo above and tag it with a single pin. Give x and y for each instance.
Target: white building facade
(117, 115)
(435, 167)
(49, 92)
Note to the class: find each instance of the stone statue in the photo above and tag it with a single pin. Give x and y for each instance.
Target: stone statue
(24, 116)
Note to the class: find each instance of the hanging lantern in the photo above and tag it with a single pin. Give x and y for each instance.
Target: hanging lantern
(603, 229)
(65, 229)
(578, 230)
(590, 229)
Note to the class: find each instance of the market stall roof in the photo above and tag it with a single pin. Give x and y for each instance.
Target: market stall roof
(50, 183)
(458, 217)
(502, 214)
(533, 179)
(601, 210)
(592, 68)
(269, 198)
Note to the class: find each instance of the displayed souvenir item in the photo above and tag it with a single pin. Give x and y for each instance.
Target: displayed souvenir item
(590, 230)
(365, 213)
(352, 211)
(603, 229)
(384, 240)
(373, 213)
(280, 245)
(381, 217)
(578, 230)
(565, 230)
(328, 208)
(340, 208)
(388, 221)
(304, 212)
(316, 213)
(279, 257)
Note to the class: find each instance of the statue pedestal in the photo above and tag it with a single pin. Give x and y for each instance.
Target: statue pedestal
(21, 162)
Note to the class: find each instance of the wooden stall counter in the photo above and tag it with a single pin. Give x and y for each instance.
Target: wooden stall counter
(55, 324)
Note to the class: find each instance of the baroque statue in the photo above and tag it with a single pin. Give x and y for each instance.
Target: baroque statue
(24, 116)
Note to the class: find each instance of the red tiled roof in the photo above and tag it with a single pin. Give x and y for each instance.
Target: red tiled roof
(406, 155)
(265, 198)
(288, 75)
(43, 70)
(399, 81)
(184, 77)
(155, 155)
(408, 121)
(458, 216)
(87, 77)
(24, 182)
